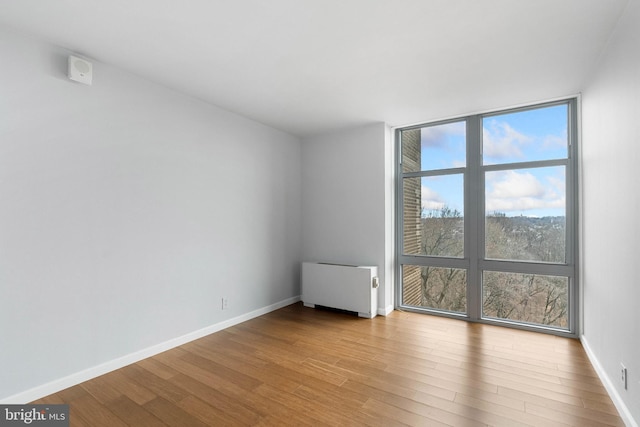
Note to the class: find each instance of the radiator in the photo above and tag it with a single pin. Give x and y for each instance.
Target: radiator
(345, 287)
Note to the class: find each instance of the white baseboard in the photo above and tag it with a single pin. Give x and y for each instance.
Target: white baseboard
(385, 311)
(87, 374)
(625, 414)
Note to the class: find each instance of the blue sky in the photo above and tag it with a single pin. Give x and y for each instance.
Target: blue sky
(539, 134)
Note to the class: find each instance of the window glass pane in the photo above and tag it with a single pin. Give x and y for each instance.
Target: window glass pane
(435, 287)
(434, 147)
(519, 172)
(433, 216)
(539, 134)
(525, 214)
(538, 299)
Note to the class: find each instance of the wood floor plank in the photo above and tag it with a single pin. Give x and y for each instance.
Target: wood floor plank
(233, 406)
(496, 413)
(157, 368)
(202, 375)
(529, 371)
(133, 390)
(313, 410)
(456, 383)
(541, 397)
(604, 405)
(132, 413)
(494, 398)
(575, 418)
(334, 353)
(261, 372)
(172, 415)
(411, 417)
(207, 413)
(332, 396)
(228, 350)
(317, 370)
(276, 412)
(71, 394)
(100, 389)
(303, 367)
(238, 378)
(89, 411)
(139, 377)
(388, 382)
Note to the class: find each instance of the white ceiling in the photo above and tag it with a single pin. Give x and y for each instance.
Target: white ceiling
(315, 66)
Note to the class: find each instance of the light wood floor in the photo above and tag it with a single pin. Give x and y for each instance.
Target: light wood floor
(300, 366)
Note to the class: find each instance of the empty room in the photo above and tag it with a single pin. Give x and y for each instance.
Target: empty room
(319, 212)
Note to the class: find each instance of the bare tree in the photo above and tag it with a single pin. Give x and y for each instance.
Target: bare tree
(526, 297)
(521, 297)
(443, 235)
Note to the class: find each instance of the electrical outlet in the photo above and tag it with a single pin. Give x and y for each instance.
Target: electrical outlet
(225, 303)
(623, 375)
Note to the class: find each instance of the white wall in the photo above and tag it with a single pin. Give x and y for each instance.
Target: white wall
(346, 182)
(611, 214)
(127, 211)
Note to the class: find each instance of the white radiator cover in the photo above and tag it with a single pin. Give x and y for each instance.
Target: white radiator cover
(346, 287)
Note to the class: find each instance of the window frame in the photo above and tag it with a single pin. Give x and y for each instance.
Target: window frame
(474, 259)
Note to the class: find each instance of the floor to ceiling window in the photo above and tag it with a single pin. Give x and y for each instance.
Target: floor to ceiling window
(487, 217)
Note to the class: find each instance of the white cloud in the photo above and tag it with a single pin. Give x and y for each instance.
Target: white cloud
(510, 191)
(510, 184)
(500, 140)
(557, 184)
(503, 142)
(431, 199)
(437, 136)
(551, 142)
